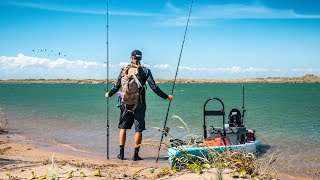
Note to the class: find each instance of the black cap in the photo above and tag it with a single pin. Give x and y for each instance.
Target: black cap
(136, 53)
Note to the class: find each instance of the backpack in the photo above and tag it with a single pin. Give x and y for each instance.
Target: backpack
(131, 85)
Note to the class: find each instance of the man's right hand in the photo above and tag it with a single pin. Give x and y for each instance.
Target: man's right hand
(106, 95)
(170, 97)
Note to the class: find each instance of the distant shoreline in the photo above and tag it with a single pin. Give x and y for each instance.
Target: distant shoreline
(309, 78)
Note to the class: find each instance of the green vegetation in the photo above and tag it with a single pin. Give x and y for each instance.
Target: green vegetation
(237, 163)
(53, 170)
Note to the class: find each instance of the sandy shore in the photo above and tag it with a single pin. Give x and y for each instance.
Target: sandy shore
(21, 160)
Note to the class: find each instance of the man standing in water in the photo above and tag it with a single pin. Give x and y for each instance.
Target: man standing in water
(133, 109)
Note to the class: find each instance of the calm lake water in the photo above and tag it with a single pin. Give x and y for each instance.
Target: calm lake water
(285, 116)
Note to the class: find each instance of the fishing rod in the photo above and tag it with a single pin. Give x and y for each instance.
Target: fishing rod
(107, 79)
(174, 82)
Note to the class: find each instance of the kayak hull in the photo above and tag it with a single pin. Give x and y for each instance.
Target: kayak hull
(176, 152)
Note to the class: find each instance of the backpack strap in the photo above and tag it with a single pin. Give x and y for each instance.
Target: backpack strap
(137, 81)
(132, 110)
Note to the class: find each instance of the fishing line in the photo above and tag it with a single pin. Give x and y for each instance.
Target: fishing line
(107, 79)
(175, 78)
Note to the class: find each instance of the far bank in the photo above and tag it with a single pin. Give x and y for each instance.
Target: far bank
(309, 78)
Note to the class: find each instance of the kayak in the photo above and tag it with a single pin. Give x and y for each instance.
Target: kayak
(249, 147)
(175, 153)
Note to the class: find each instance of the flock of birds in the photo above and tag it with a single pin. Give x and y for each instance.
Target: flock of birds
(49, 52)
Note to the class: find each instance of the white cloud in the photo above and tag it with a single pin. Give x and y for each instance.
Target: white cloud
(22, 61)
(239, 11)
(173, 8)
(162, 66)
(298, 69)
(182, 21)
(306, 70)
(123, 64)
(232, 69)
(254, 69)
(51, 7)
(24, 67)
(202, 13)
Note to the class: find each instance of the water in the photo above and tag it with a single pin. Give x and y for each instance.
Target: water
(285, 116)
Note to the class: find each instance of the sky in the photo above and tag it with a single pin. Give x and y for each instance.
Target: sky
(67, 39)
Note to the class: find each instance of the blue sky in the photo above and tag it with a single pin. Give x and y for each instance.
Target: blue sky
(225, 39)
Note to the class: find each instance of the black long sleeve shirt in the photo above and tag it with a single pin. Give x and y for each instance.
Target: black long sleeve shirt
(146, 76)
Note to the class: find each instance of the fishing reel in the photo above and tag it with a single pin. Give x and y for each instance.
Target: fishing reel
(234, 118)
(166, 131)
